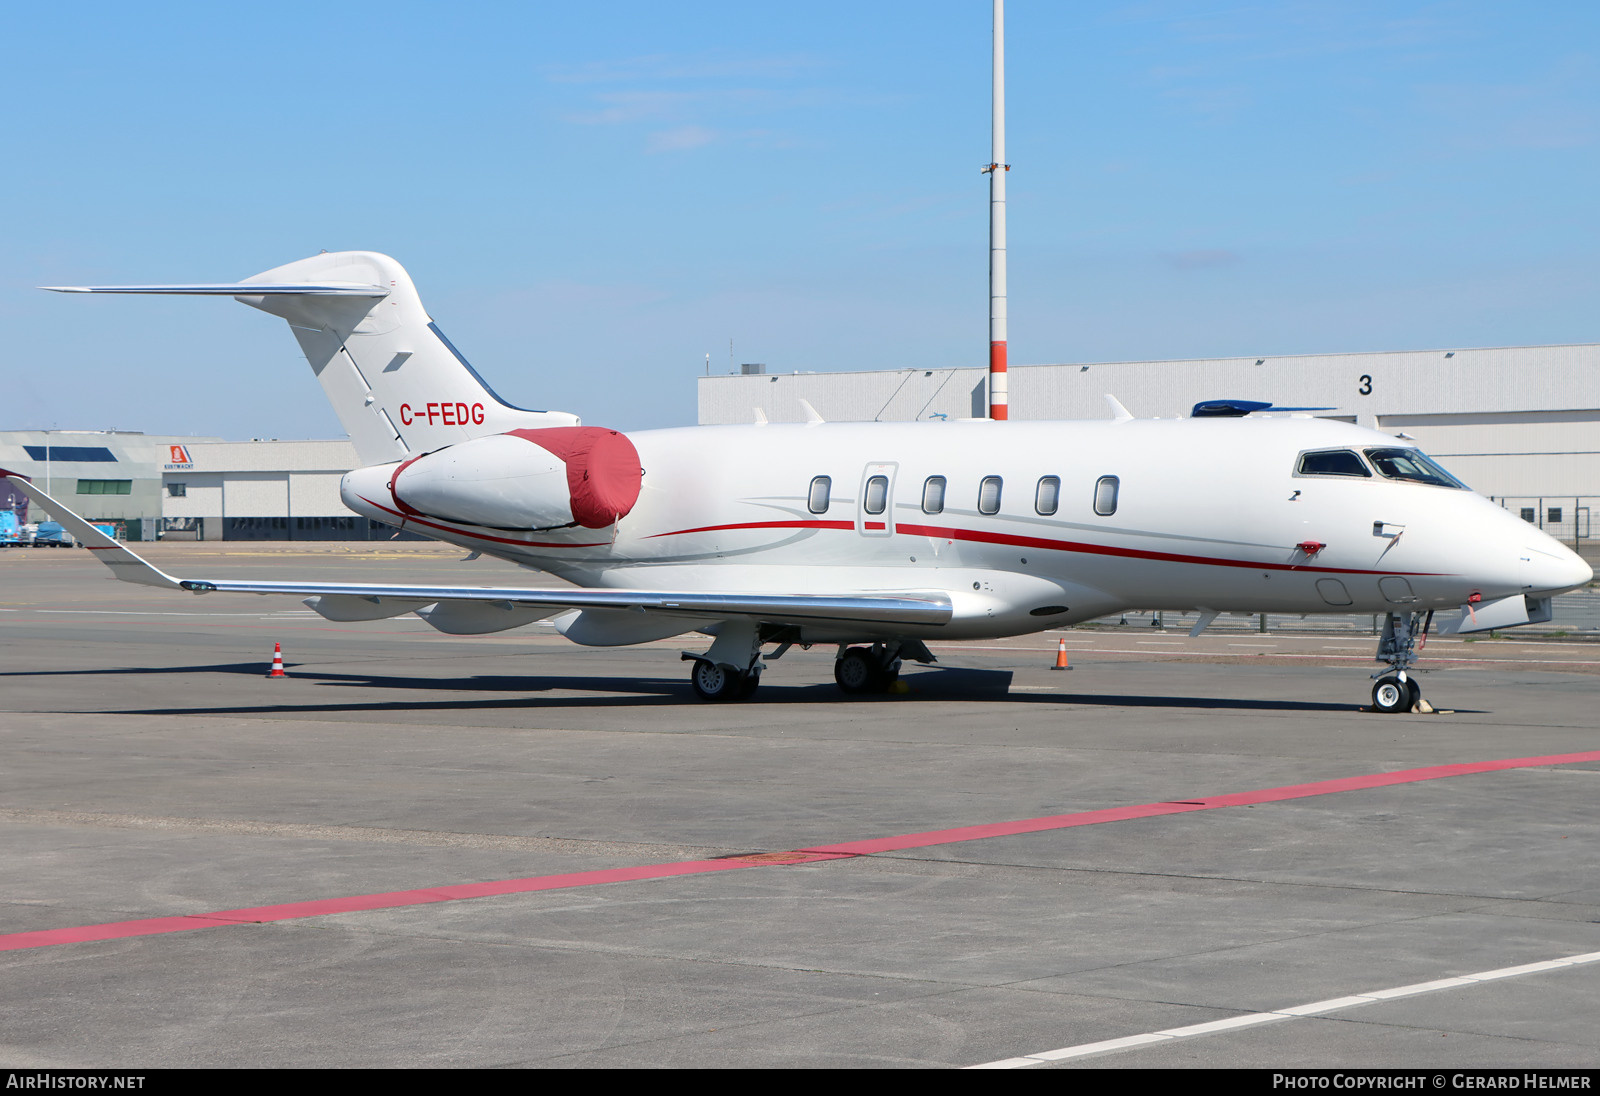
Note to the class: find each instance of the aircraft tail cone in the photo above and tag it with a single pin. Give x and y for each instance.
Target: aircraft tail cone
(277, 661)
(1061, 657)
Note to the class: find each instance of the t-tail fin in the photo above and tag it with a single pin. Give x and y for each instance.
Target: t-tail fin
(397, 384)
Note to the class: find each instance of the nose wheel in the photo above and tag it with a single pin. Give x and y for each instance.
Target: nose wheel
(1391, 694)
(1395, 689)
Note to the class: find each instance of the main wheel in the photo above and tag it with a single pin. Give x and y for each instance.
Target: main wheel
(1390, 695)
(713, 681)
(1413, 693)
(747, 687)
(858, 672)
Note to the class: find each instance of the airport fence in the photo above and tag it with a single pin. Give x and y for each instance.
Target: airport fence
(1577, 615)
(1564, 517)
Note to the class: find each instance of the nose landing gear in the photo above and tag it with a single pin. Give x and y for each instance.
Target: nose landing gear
(1395, 689)
(1396, 693)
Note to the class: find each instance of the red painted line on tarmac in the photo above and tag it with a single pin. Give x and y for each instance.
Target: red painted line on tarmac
(1184, 806)
(323, 907)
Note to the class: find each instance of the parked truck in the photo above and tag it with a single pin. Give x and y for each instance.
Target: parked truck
(50, 534)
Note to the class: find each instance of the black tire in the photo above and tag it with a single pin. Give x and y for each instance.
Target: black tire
(858, 672)
(713, 681)
(1414, 690)
(747, 687)
(1391, 695)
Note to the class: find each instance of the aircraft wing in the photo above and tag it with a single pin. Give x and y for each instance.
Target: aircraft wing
(931, 607)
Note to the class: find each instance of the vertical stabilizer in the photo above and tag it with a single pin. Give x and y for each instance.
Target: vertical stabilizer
(394, 380)
(396, 383)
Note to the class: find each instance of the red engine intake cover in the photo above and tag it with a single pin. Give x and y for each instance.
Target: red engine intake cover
(603, 471)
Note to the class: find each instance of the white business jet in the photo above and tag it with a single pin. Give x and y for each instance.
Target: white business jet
(875, 537)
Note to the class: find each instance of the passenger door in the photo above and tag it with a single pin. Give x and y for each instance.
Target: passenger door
(875, 501)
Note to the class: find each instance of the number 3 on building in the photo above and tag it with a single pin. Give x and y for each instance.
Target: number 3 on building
(1366, 385)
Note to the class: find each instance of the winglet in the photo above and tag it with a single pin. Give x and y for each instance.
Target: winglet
(124, 563)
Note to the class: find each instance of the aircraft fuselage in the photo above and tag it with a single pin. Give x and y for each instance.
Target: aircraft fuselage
(1205, 514)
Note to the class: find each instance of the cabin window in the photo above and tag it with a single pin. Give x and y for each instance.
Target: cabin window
(877, 494)
(933, 495)
(1336, 462)
(989, 495)
(1412, 466)
(1105, 495)
(1048, 495)
(817, 500)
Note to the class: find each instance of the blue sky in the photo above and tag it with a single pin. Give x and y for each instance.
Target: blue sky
(593, 197)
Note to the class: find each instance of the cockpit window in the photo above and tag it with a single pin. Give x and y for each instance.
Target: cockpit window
(1333, 462)
(1412, 466)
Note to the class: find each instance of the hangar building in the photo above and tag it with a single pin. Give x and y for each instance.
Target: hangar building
(188, 488)
(105, 475)
(1519, 424)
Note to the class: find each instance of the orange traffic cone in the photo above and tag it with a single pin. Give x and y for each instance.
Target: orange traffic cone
(1061, 657)
(277, 661)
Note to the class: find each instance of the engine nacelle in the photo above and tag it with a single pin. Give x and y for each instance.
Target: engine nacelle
(526, 479)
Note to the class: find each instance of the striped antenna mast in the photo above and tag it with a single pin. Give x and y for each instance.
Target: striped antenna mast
(998, 407)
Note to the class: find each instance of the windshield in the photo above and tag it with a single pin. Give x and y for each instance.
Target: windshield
(1334, 462)
(1413, 466)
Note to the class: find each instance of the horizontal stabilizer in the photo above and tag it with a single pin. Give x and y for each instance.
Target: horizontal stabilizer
(234, 289)
(379, 357)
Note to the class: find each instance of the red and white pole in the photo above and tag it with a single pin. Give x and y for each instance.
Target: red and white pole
(998, 407)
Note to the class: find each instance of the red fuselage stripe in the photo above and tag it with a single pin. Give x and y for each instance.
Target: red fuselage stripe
(407, 518)
(1042, 544)
(937, 531)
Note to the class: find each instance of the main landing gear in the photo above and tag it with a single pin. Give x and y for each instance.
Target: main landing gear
(1396, 689)
(861, 671)
(731, 669)
(719, 681)
(867, 669)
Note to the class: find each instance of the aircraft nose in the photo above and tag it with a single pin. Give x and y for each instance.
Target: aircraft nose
(1554, 568)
